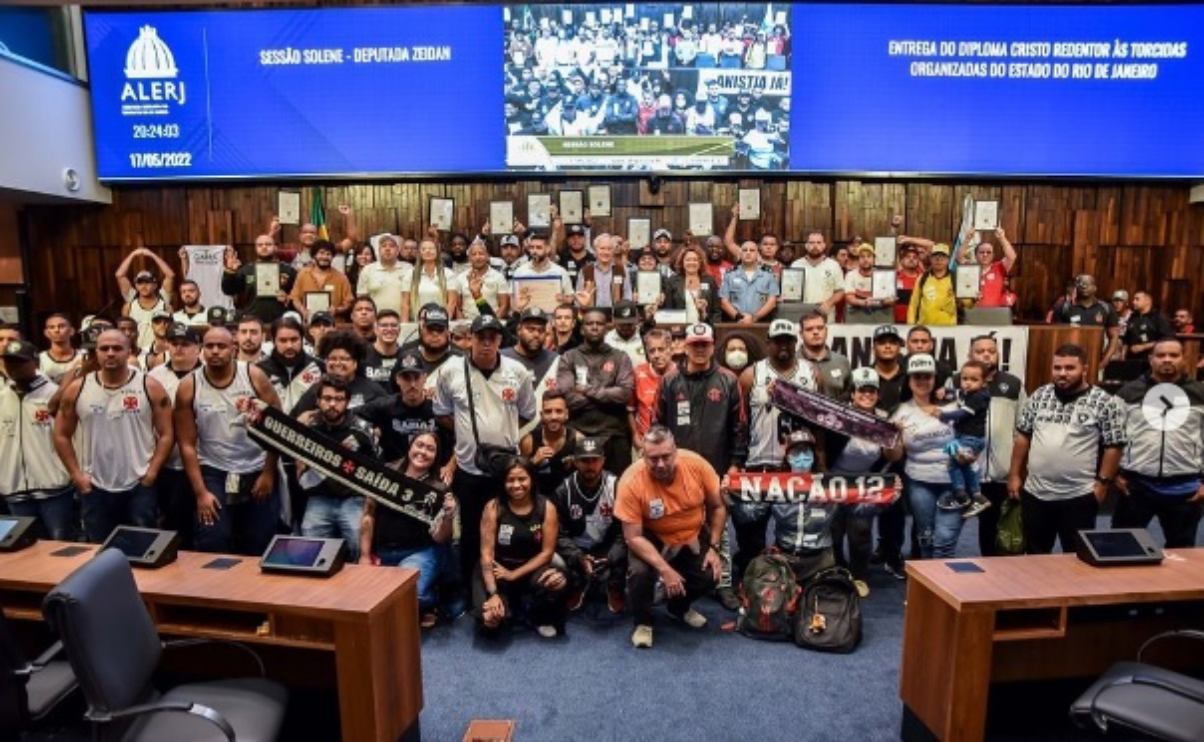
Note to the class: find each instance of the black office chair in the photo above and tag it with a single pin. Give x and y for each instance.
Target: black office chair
(114, 649)
(1134, 697)
(29, 690)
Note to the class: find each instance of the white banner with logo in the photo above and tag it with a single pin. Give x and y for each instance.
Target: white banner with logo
(205, 266)
(732, 81)
(952, 344)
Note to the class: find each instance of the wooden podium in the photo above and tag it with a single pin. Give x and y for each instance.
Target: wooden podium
(366, 617)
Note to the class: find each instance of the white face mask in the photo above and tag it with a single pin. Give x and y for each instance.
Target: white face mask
(737, 359)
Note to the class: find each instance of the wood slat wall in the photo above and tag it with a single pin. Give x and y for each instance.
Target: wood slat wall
(1128, 235)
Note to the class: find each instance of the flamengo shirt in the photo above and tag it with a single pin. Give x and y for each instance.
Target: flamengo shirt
(1065, 437)
(991, 292)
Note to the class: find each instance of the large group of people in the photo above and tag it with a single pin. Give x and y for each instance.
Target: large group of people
(581, 451)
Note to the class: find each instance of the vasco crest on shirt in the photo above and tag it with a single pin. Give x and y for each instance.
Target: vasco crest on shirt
(509, 395)
(714, 395)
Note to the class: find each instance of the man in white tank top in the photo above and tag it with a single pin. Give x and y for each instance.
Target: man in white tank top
(60, 358)
(144, 297)
(125, 436)
(233, 477)
(177, 505)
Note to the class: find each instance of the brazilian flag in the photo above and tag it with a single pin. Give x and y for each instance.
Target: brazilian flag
(317, 212)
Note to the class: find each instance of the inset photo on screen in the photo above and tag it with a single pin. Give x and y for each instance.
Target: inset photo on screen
(657, 86)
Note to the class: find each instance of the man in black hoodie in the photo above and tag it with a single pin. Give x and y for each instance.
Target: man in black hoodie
(290, 369)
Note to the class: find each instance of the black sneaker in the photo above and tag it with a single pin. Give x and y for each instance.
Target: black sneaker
(978, 503)
(894, 568)
(878, 557)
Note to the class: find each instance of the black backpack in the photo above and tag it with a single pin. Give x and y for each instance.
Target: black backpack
(769, 598)
(829, 618)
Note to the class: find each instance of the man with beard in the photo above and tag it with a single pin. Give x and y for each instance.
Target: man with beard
(405, 414)
(240, 281)
(233, 478)
(1089, 311)
(541, 265)
(192, 312)
(576, 254)
(1069, 439)
(177, 504)
(662, 247)
(642, 409)
(320, 276)
(384, 280)
(363, 318)
(384, 351)
(456, 259)
(597, 382)
(250, 339)
(511, 256)
(433, 345)
(1145, 328)
(905, 279)
(530, 349)
(625, 335)
(590, 539)
(289, 368)
(344, 353)
(823, 278)
(331, 509)
(717, 262)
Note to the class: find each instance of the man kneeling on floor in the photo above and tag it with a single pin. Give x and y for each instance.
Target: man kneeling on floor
(591, 542)
(673, 517)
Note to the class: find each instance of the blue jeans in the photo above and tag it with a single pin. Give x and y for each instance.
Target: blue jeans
(244, 525)
(56, 515)
(427, 561)
(335, 517)
(103, 511)
(936, 529)
(964, 477)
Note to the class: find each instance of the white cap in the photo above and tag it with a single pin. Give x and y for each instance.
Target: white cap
(781, 327)
(921, 363)
(865, 376)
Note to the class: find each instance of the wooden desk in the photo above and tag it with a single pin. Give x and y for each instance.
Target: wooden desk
(1027, 618)
(366, 616)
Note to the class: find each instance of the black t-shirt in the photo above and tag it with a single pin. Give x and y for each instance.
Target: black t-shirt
(572, 265)
(890, 391)
(1146, 328)
(379, 368)
(429, 366)
(399, 423)
(394, 530)
(1098, 314)
(519, 537)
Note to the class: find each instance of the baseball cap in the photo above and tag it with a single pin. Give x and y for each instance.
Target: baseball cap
(781, 328)
(699, 332)
(485, 323)
(460, 327)
(509, 240)
(940, 248)
(217, 316)
(181, 331)
(433, 314)
(887, 331)
(144, 276)
(321, 318)
(534, 314)
(588, 448)
(410, 363)
(1120, 295)
(800, 437)
(662, 233)
(626, 312)
(863, 248)
(865, 376)
(159, 314)
(293, 315)
(21, 350)
(921, 363)
(576, 230)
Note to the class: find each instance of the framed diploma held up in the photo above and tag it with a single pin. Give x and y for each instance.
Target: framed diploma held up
(599, 200)
(442, 212)
(647, 287)
(267, 280)
(966, 281)
(750, 204)
(702, 219)
(572, 207)
(501, 217)
(542, 291)
(639, 232)
(792, 284)
(288, 207)
(317, 301)
(539, 210)
(884, 252)
(883, 283)
(986, 216)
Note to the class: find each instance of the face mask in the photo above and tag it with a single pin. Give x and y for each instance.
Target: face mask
(801, 459)
(737, 359)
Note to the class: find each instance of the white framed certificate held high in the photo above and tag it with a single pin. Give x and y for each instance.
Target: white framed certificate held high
(501, 217)
(702, 219)
(572, 207)
(885, 252)
(639, 232)
(539, 210)
(883, 286)
(599, 200)
(750, 204)
(986, 216)
(966, 280)
(442, 213)
(647, 287)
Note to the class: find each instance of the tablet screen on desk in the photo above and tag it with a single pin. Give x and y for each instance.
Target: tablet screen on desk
(131, 542)
(294, 552)
(1115, 544)
(6, 525)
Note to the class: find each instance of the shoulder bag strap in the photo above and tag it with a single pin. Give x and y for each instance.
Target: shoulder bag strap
(472, 408)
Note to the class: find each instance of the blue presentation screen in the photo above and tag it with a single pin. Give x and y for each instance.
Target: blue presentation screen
(748, 87)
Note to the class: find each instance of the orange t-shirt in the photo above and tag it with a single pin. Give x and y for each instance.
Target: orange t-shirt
(673, 512)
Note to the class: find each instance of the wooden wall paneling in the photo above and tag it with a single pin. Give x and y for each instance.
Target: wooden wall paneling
(808, 207)
(930, 212)
(221, 232)
(1040, 277)
(1011, 212)
(1087, 227)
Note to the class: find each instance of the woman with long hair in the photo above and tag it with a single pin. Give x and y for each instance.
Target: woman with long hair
(360, 256)
(428, 285)
(692, 287)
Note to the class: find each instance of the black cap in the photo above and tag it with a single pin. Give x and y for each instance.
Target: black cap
(145, 277)
(181, 331)
(886, 331)
(626, 312)
(410, 363)
(576, 230)
(217, 316)
(21, 350)
(486, 322)
(510, 240)
(594, 447)
(433, 314)
(534, 314)
(321, 318)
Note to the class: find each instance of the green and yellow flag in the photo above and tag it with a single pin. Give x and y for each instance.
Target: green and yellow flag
(317, 212)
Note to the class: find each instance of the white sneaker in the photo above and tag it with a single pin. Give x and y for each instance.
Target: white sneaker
(694, 619)
(546, 631)
(642, 636)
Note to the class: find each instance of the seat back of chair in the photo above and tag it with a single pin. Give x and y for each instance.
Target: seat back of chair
(13, 699)
(106, 631)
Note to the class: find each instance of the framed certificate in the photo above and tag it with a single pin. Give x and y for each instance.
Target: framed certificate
(267, 279)
(883, 284)
(884, 252)
(572, 207)
(702, 219)
(792, 284)
(966, 281)
(669, 317)
(317, 301)
(288, 207)
(442, 213)
(639, 232)
(750, 204)
(501, 217)
(539, 210)
(647, 287)
(986, 216)
(542, 291)
(599, 200)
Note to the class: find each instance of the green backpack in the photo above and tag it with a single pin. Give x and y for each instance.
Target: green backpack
(1009, 538)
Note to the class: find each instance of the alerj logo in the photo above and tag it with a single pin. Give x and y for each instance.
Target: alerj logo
(150, 71)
